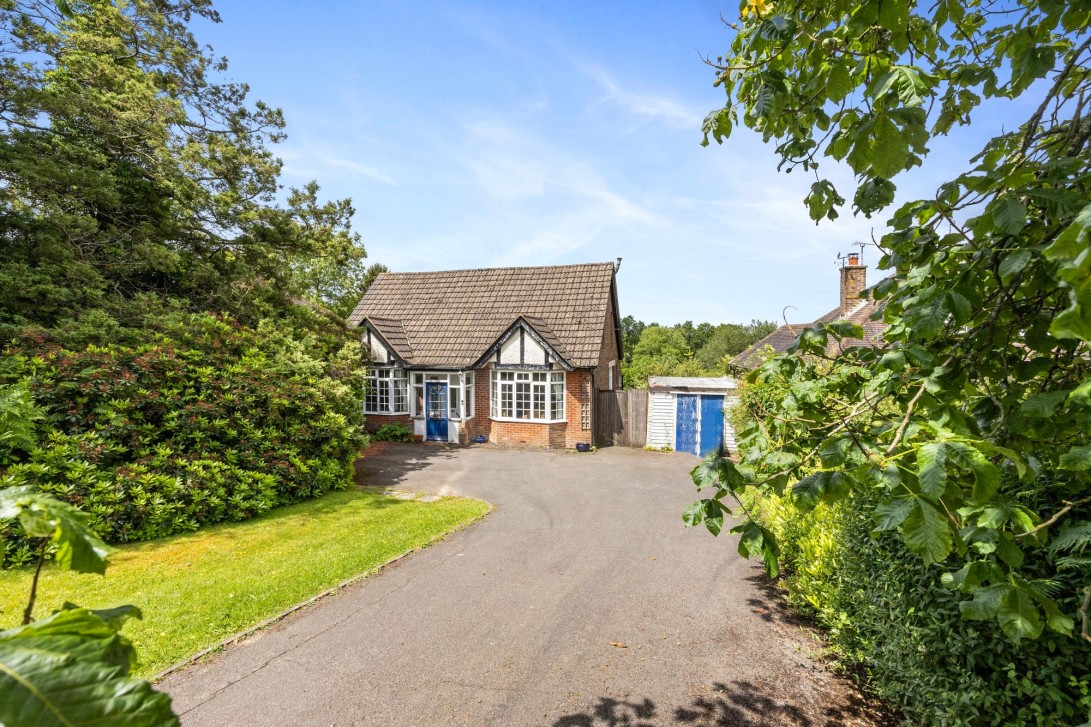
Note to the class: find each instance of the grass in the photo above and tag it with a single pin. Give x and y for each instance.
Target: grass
(197, 589)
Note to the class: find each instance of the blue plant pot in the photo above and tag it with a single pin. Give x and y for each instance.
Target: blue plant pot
(481, 439)
(583, 447)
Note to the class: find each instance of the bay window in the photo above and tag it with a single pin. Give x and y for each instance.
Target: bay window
(386, 392)
(536, 396)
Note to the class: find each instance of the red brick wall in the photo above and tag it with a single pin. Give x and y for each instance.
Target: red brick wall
(372, 422)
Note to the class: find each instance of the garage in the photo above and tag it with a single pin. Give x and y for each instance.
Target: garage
(688, 414)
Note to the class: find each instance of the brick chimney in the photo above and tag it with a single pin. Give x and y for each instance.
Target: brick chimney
(853, 281)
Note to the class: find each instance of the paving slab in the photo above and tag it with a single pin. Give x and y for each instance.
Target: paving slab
(582, 600)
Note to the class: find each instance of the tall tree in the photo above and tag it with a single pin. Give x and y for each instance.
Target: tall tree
(971, 425)
(125, 168)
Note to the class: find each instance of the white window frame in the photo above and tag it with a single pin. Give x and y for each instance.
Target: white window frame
(508, 388)
(389, 383)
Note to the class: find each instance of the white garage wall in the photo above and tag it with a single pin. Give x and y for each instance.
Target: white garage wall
(730, 441)
(662, 418)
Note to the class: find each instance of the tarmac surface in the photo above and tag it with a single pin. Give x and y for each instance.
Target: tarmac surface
(581, 601)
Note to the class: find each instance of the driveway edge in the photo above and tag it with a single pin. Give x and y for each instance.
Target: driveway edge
(239, 636)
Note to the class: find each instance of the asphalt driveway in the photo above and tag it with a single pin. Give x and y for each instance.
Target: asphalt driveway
(582, 600)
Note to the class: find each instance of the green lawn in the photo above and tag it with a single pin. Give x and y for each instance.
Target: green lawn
(198, 589)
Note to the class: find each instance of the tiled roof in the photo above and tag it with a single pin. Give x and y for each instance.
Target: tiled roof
(786, 335)
(691, 383)
(451, 318)
(394, 333)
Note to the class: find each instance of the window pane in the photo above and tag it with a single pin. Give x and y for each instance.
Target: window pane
(418, 398)
(522, 401)
(454, 394)
(507, 406)
(557, 402)
(539, 401)
(399, 386)
(539, 377)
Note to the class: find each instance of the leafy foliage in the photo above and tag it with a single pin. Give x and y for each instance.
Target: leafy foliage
(968, 426)
(207, 421)
(71, 668)
(684, 349)
(392, 433)
(949, 559)
(145, 176)
(885, 616)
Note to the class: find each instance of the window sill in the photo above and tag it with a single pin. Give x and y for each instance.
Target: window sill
(386, 413)
(528, 421)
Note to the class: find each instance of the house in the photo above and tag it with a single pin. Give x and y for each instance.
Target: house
(514, 354)
(856, 306)
(690, 414)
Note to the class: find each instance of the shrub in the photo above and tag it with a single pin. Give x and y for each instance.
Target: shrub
(392, 433)
(205, 422)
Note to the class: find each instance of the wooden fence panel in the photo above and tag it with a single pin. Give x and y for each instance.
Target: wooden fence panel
(621, 418)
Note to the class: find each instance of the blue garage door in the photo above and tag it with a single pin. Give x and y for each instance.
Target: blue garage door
(685, 436)
(712, 424)
(699, 426)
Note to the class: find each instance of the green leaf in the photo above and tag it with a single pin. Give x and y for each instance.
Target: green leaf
(72, 669)
(1013, 264)
(1009, 215)
(985, 603)
(714, 516)
(707, 472)
(750, 541)
(694, 513)
(1044, 404)
(986, 474)
(839, 82)
(1057, 621)
(1008, 551)
(808, 492)
(1081, 394)
(1018, 616)
(959, 307)
(931, 468)
(891, 514)
(1071, 251)
(770, 553)
(889, 148)
(44, 516)
(927, 533)
(1077, 459)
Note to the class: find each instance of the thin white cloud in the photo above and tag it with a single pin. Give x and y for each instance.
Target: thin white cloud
(308, 160)
(643, 107)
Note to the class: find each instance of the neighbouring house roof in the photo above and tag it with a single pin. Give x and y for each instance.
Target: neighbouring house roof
(783, 337)
(451, 318)
(695, 384)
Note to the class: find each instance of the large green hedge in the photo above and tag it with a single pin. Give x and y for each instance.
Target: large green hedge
(886, 615)
(206, 420)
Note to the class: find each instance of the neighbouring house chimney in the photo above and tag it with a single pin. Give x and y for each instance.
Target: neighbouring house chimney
(853, 282)
(617, 265)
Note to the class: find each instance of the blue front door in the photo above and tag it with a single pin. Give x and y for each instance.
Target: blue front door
(712, 424)
(436, 427)
(685, 437)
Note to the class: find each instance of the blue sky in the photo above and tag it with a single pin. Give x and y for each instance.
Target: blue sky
(492, 134)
